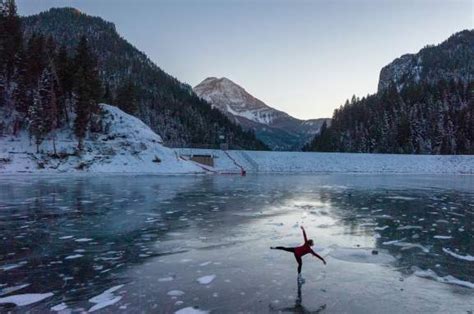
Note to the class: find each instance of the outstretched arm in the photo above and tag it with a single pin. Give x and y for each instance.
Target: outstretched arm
(318, 256)
(304, 235)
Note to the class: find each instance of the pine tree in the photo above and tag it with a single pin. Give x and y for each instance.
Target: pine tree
(21, 96)
(127, 98)
(87, 90)
(36, 124)
(13, 38)
(36, 59)
(64, 71)
(3, 35)
(108, 97)
(82, 108)
(43, 113)
(2, 90)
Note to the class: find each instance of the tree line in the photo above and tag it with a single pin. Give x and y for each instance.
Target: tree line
(420, 118)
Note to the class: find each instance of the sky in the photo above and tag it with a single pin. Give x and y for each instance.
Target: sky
(302, 57)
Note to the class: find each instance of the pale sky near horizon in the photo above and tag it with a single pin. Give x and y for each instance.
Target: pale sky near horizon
(303, 57)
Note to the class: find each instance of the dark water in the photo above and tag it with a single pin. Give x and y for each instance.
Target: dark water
(161, 244)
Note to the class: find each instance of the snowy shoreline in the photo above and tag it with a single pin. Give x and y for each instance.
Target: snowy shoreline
(273, 162)
(127, 145)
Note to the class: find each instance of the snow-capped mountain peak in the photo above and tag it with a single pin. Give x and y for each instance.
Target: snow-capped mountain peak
(276, 128)
(229, 97)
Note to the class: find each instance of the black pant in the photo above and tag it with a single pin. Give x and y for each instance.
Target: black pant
(292, 250)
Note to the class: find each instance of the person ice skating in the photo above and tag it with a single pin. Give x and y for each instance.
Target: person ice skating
(300, 251)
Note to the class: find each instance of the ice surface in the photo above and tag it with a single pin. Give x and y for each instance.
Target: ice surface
(25, 299)
(361, 255)
(115, 212)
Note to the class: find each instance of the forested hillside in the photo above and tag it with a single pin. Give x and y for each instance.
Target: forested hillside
(425, 107)
(42, 87)
(126, 77)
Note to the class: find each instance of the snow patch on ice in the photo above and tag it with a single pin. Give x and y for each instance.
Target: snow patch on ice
(458, 256)
(25, 299)
(404, 198)
(446, 279)
(409, 227)
(190, 310)
(59, 307)
(205, 280)
(104, 299)
(175, 293)
(11, 266)
(8, 290)
(83, 240)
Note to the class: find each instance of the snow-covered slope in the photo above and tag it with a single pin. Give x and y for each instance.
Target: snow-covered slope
(276, 128)
(302, 162)
(126, 144)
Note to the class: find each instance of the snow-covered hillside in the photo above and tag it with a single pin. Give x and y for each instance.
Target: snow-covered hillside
(277, 129)
(125, 145)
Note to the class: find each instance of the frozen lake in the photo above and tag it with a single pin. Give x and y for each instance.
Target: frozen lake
(164, 244)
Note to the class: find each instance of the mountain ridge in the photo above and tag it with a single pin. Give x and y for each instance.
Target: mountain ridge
(164, 103)
(452, 59)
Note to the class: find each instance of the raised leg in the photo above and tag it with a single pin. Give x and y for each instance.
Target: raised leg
(288, 249)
